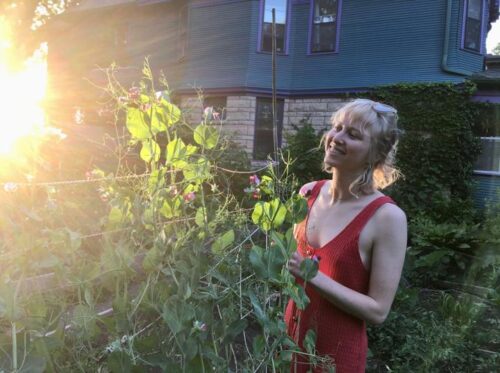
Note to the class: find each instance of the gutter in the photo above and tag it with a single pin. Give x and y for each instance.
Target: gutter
(444, 59)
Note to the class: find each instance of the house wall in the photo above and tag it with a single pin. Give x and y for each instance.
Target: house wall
(240, 115)
(381, 42)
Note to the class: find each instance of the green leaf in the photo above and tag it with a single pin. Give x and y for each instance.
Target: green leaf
(310, 341)
(269, 215)
(152, 260)
(197, 171)
(137, 124)
(119, 362)
(223, 242)
(150, 151)
(267, 264)
(170, 113)
(173, 321)
(84, 319)
(298, 295)
(200, 217)
(206, 136)
(172, 208)
(308, 269)
(257, 308)
(234, 329)
(178, 153)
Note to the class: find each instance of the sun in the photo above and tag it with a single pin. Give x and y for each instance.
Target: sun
(21, 95)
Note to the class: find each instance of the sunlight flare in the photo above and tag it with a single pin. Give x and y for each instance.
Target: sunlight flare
(21, 96)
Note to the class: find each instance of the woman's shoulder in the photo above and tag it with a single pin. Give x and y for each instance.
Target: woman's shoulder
(306, 189)
(390, 213)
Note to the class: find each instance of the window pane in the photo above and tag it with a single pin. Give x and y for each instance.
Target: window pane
(325, 9)
(489, 159)
(472, 34)
(263, 139)
(281, 12)
(324, 27)
(218, 105)
(324, 37)
(474, 9)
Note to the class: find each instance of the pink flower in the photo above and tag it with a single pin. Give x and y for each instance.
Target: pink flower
(254, 179)
(216, 115)
(189, 197)
(134, 93)
(316, 258)
(208, 112)
(88, 175)
(200, 326)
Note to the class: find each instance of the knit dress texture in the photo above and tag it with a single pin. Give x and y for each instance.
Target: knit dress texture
(340, 336)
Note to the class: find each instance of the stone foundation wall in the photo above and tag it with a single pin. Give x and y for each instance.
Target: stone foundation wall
(240, 115)
(319, 111)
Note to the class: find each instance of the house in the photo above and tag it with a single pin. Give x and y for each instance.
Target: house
(487, 167)
(326, 48)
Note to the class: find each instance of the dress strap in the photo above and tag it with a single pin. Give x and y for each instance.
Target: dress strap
(364, 216)
(315, 192)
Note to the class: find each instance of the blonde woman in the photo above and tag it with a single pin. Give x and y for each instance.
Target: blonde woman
(355, 233)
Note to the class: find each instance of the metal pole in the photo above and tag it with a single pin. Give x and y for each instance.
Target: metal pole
(275, 121)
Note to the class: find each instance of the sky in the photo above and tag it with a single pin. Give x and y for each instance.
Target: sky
(493, 37)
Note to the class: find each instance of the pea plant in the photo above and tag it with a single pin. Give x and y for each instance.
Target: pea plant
(161, 270)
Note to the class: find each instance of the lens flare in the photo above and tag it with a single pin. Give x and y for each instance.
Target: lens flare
(21, 95)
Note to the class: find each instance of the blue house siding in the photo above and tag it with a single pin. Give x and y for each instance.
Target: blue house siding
(219, 44)
(381, 42)
(458, 58)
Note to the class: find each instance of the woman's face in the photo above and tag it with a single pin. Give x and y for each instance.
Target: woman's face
(347, 146)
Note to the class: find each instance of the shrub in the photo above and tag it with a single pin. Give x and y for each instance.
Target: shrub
(305, 152)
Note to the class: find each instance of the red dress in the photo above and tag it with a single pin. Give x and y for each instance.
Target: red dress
(340, 336)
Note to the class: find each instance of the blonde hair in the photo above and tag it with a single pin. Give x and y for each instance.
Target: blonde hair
(380, 121)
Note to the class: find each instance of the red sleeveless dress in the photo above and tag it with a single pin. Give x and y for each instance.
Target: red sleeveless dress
(340, 336)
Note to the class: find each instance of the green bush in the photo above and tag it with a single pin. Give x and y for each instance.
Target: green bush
(305, 152)
(438, 148)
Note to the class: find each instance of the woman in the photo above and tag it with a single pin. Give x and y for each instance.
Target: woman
(355, 233)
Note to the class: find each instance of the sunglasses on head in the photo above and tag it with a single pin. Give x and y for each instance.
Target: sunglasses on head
(378, 106)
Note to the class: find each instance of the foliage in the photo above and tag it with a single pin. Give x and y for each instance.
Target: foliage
(304, 149)
(21, 21)
(158, 271)
(435, 331)
(438, 148)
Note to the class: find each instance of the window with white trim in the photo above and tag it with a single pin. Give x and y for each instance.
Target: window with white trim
(489, 160)
(281, 7)
(473, 25)
(324, 25)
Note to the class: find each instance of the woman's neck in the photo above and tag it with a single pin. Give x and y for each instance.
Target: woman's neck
(340, 187)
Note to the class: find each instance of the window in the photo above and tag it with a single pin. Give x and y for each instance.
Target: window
(473, 24)
(266, 41)
(263, 139)
(215, 107)
(489, 160)
(324, 25)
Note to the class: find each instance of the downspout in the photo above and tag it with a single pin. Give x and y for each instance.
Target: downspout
(444, 60)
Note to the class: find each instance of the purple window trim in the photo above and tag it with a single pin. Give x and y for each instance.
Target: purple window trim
(482, 46)
(287, 32)
(337, 33)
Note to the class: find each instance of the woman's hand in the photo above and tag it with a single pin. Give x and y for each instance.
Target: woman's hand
(294, 264)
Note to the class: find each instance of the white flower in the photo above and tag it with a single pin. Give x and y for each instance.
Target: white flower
(10, 187)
